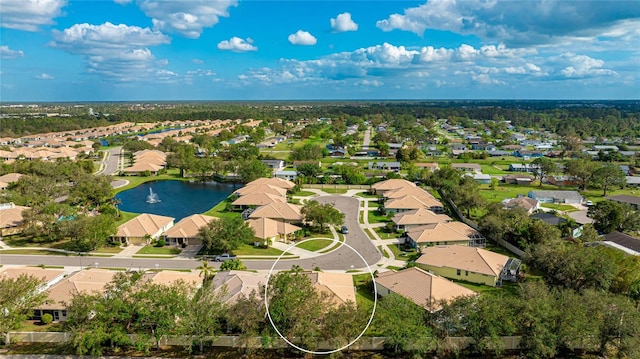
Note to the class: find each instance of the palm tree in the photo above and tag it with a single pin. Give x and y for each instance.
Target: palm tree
(206, 271)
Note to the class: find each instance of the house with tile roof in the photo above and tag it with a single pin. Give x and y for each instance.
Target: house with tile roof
(273, 181)
(390, 184)
(284, 212)
(471, 264)
(411, 202)
(256, 199)
(11, 219)
(261, 188)
(338, 286)
(405, 221)
(141, 229)
(421, 287)
(233, 285)
(435, 234)
(272, 230)
(186, 230)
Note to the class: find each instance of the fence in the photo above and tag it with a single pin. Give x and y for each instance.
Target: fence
(510, 247)
(230, 341)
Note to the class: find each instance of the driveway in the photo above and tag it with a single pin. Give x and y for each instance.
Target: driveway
(112, 161)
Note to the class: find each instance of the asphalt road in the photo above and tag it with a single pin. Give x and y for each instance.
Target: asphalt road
(341, 259)
(113, 158)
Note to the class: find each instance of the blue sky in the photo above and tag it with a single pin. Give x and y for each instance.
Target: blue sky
(129, 50)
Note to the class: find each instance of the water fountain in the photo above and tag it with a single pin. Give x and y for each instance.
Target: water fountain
(152, 197)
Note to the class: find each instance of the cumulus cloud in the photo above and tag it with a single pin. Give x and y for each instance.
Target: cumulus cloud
(187, 18)
(584, 66)
(521, 22)
(44, 76)
(343, 23)
(122, 2)
(302, 38)
(197, 61)
(237, 44)
(118, 52)
(29, 15)
(7, 53)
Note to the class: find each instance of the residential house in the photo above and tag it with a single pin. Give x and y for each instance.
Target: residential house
(421, 287)
(11, 219)
(467, 167)
(605, 148)
(526, 154)
(633, 181)
(483, 146)
(523, 167)
(257, 198)
(624, 168)
(284, 212)
(143, 228)
(444, 233)
(623, 242)
(410, 202)
(499, 153)
(271, 230)
(518, 179)
(391, 184)
(233, 285)
(274, 164)
(471, 264)
(287, 175)
(405, 221)
(634, 201)
(273, 181)
(481, 178)
(549, 218)
(385, 166)
(10, 178)
(431, 166)
(564, 197)
(337, 286)
(87, 281)
(185, 232)
(261, 188)
(528, 204)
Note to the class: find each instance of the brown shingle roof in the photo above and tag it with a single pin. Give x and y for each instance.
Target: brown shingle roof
(471, 259)
(421, 287)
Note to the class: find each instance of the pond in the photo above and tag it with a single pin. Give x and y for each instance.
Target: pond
(176, 199)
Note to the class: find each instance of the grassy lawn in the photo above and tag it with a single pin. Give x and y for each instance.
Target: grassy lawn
(368, 232)
(220, 210)
(367, 195)
(37, 326)
(361, 217)
(495, 247)
(107, 250)
(559, 207)
(159, 250)
(135, 181)
(491, 170)
(508, 288)
(374, 217)
(303, 193)
(250, 250)
(276, 154)
(20, 241)
(372, 204)
(335, 190)
(383, 251)
(38, 252)
(410, 253)
(335, 246)
(315, 245)
(382, 232)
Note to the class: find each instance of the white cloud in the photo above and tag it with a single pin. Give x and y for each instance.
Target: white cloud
(517, 23)
(237, 44)
(369, 83)
(118, 52)
(343, 23)
(584, 66)
(187, 18)
(29, 15)
(122, 2)
(197, 61)
(44, 76)
(7, 53)
(302, 38)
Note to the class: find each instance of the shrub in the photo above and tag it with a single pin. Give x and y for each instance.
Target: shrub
(160, 243)
(46, 318)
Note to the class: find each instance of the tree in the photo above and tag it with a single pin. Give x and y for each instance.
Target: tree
(204, 316)
(251, 169)
(546, 167)
(537, 313)
(18, 297)
(581, 169)
(612, 216)
(91, 233)
(467, 195)
(232, 264)
(307, 152)
(225, 234)
(402, 322)
(609, 175)
(309, 170)
(247, 315)
(321, 214)
(206, 271)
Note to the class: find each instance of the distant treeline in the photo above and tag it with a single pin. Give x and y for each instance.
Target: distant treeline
(583, 118)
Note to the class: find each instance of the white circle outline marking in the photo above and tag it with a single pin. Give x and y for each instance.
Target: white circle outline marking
(373, 311)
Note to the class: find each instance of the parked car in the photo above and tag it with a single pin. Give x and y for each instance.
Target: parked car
(224, 257)
(588, 203)
(344, 230)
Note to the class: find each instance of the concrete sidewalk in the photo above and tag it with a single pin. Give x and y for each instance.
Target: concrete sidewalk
(128, 251)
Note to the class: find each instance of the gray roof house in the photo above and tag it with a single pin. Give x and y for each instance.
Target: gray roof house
(568, 197)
